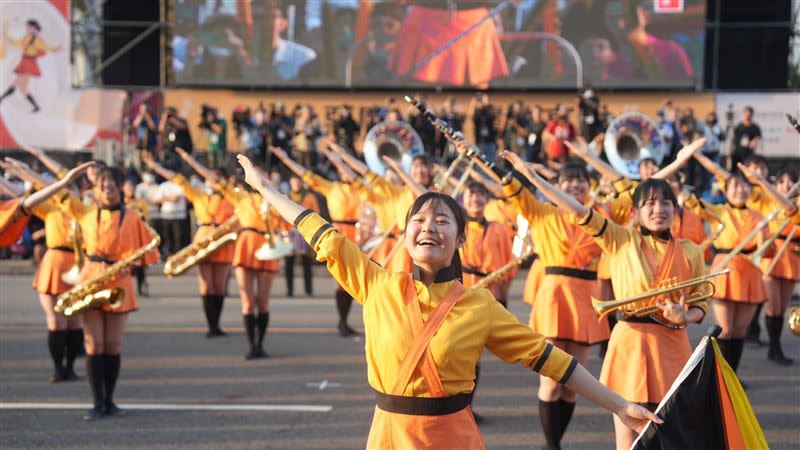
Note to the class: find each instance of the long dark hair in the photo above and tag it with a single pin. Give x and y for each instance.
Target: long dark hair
(653, 187)
(438, 200)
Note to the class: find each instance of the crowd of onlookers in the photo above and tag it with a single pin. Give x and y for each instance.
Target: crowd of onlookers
(537, 132)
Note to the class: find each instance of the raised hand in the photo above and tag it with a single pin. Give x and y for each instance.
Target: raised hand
(76, 172)
(688, 151)
(752, 176)
(251, 175)
(515, 161)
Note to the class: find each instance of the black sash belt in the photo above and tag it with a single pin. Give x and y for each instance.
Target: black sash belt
(795, 240)
(633, 319)
(101, 259)
(61, 248)
(473, 271)
(570, 272)
(344, 222)
(728, 250)
(254, 230)
(422, 406)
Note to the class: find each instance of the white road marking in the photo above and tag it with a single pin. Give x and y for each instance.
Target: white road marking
(173, 407)
(324, 384)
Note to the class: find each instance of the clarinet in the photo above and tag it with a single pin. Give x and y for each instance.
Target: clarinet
(452, 135)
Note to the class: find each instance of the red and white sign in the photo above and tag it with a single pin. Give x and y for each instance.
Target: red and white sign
(668, 6)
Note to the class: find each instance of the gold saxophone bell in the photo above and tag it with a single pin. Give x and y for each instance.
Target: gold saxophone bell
(794, 320)
(112, 297)
(198, 251)
(645, 305)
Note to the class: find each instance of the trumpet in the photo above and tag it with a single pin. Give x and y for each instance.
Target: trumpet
(195, 253)
(634, 305)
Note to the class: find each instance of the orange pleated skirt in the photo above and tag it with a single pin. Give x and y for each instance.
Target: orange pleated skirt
(244, 254)
(221, 256)
(456, 431)
(533, 281)
(477, 58)
(130, 303)
(563, 311)
(48, 276)
(743, 284)
(643, 360)
(788, 266)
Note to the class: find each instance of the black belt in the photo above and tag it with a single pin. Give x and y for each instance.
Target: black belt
(796, 240)
(634, 319)
(422, 406)
(61, 248)
(570, 272)
(344, 222)
(101, 259)
(473, 271)
(728, 250)
(254, 230)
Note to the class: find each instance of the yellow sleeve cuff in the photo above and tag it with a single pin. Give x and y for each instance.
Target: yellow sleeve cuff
(594, 224)
(556, 364)
(312, 227)
(512, 188)
(622, 185)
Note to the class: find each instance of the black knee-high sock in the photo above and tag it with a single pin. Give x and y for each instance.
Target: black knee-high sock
(74, 346)
(343, 303)
(110, 374)
(774, 325)
(551, 422)
(208, 309)
(250, 328)
(736, 345)
(308, 274)
(8, 92)
(289, 272)
(57, 343)
(95, 373)
(33, 102)
(263, 321)
(565, 412)
(216, 301)
(754, 329)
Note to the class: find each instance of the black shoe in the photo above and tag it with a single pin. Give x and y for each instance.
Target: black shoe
(58, 377)
(217, 332)
(70, 375)
(260, 353)
(144, 289)
(346, 331)
(112, 409)
(779, 358)
(94, 414)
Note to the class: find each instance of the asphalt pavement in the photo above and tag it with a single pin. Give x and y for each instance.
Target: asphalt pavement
(183, 390)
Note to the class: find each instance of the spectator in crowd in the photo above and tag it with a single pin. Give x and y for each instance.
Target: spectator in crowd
(217, 130)
(454, 119)
(173, 215)
(483, 118)
(146, 130)
(174, 131)
(588, 106)
(557, 131)
(667, 122)
(746, 137)
(147, 190)
(306, 132)
(281, 127)
(389, 105)
(248, 131)
(345, 128)
(423, 126)
(517, 128)
(535, 138)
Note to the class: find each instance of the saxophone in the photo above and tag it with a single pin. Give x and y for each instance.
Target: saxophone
(187, 257)
(488, 280)
(90, 293)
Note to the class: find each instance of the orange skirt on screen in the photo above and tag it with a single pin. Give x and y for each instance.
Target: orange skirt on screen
(743, 284)
(244, 254)
(643, 360)
(475, 59)
(533, 281)
(221, 256)
(48, 276)
(28, 66)
(788, 266)
(130, 303)
(456, 431)
(563, 311)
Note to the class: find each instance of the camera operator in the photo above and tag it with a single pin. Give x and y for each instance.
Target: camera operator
(174, 131)
(589, 105)
(247, 130)
(146, 130)
(217, 130)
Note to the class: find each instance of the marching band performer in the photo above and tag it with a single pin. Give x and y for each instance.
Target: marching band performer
(64, 334)
(111, 233)
(299, 194)
(141, 206)
(344, 207)
(562, 310)
(738, 294)
(421, 357)
(644, 355)
(210, 210)
(254, 276)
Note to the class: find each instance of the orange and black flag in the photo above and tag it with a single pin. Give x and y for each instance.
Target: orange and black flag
(706, 408)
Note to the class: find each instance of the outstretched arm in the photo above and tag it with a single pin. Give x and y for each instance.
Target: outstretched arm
(51, 164)
(199, 168)
(288, 209)
(769, 189)
(156, 167)
(715, 169)
(681, 159)
(415, 187)
(495, 188)
(287, 161)
(42, 195)
(351, 161)
(23, 172)
(581, 150)
(555, 195)
(345, 172)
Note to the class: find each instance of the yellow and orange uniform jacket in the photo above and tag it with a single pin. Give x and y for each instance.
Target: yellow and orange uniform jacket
(486, 249)
(344, 205)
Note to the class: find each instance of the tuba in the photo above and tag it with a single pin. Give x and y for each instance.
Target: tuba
(630, 138)
(195, 253)
(396, 140)
(92, 293)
